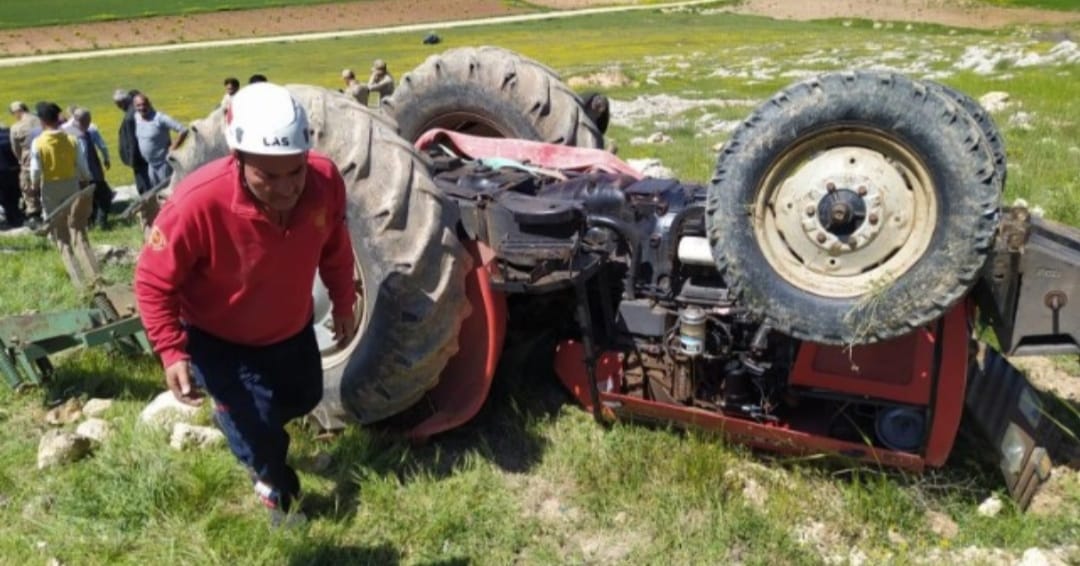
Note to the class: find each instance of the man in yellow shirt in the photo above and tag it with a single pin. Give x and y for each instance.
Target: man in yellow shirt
(58, 172)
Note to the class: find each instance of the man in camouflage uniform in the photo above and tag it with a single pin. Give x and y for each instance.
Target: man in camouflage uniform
(355, 88)
(381, 80)
(24, 129)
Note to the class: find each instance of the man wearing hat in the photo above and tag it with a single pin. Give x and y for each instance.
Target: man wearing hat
(24, 129)
(381, 80)
(355, 88)
(224, 283)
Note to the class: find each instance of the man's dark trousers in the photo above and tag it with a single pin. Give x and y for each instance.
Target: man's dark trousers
(256, 390)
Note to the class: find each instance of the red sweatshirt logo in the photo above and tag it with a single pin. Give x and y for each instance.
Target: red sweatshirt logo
(157, 241)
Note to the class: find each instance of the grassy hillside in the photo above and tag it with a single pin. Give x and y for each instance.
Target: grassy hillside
(533, 480)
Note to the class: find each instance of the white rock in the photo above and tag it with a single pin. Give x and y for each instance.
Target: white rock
(991, 506)
(125, 193)
(165, 410)
(96, 407)
(190, 436)
(60, 447)
(1022, 121)
(120, 255)
(94, 429)
(1038, 557)
(659, 137)
(995, 101)
(69, 412)
(651, 167)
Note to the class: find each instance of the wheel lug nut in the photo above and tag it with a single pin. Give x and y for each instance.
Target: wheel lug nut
(810, 210)
(830, 186)
(821, 238)
(862, 191)
(873, 219)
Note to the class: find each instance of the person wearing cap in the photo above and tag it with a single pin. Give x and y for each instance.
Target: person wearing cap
(90, 144)
(224, 282)
(24, 129)
(58, 171)
(381, 81)
(354, 88)
(152, 130)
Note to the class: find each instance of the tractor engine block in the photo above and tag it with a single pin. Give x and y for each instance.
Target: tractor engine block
(665, 305)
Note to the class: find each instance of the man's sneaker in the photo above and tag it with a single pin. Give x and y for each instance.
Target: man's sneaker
(279, 518)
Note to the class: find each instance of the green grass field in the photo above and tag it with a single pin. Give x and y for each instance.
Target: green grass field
(52, 12)
(1071, 5)
(533, 480)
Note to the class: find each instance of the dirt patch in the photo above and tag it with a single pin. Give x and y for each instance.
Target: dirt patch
(382, 13)
(246, 23)
(262, 22)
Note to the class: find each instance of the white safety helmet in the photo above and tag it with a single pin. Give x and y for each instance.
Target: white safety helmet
(265, 119)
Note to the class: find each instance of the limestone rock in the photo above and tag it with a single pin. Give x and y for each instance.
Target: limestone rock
(186, 436)
(1022, 121)
(68, 412)
(1039, 557)
(94, 429)
(991, 506)
(60, 447)
(96, 407)
(651, 168)
(995, 101)
(165, 410)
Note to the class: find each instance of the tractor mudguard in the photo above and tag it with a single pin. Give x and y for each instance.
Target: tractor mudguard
(465, 382)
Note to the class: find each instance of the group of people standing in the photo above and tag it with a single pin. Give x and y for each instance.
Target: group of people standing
(47, 149)
(380, 81)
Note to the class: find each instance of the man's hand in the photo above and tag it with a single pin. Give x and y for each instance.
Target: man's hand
(178, 378)
(344, 328)
(107, 165)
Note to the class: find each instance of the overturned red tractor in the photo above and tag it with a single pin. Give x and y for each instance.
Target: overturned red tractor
(818, 295)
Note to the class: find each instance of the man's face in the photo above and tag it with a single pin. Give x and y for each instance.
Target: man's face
(84, 122)
(142, 106)
(230, 89)
(277, 181)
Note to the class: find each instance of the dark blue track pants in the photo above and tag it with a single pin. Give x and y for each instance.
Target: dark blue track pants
(256, 390)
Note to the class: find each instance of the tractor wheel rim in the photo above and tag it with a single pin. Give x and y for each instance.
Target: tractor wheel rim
(845, 211)
(330, 352)
(471, 123)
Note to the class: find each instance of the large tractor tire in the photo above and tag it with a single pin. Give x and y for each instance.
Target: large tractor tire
(989, 129)
(411, 266)
(492, 92)
(853, 207)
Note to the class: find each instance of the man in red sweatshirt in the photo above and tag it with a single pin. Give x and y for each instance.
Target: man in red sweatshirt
(224, 282)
